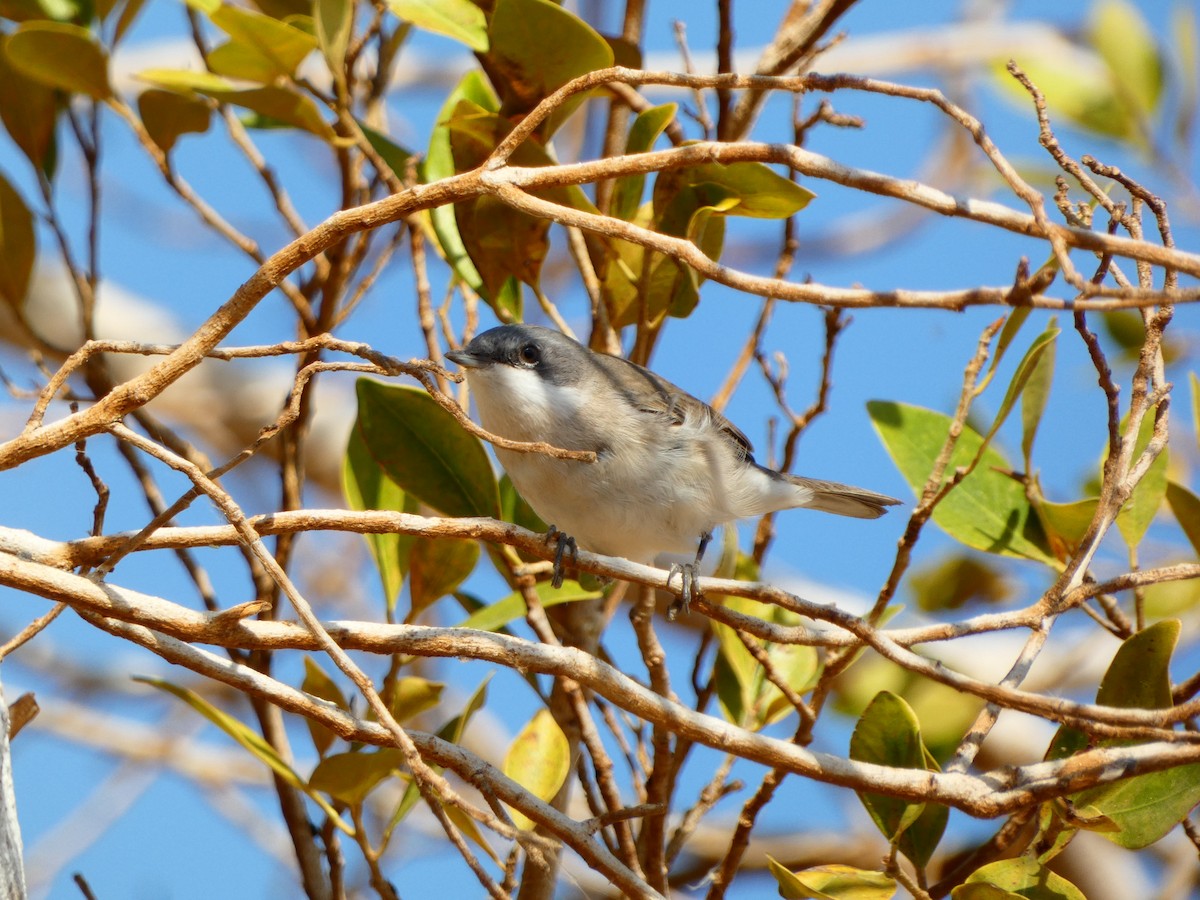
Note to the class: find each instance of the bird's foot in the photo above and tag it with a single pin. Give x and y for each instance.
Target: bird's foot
(566, 544)
(688, 573)
(688, 588)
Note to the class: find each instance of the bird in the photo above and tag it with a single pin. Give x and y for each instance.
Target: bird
(669, 468)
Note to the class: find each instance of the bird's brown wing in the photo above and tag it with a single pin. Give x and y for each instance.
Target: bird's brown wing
(658, 397)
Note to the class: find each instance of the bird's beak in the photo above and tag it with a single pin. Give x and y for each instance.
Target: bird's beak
(466, 359)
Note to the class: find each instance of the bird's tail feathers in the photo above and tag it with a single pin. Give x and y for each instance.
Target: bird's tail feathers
(842, 499)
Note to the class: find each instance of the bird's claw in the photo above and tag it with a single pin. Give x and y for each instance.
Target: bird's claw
(688, 588)
(566, 544)
(688, 572)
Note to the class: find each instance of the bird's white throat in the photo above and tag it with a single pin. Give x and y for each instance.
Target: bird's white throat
(519, 404)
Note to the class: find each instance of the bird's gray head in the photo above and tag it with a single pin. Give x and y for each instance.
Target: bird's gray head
(548, 354)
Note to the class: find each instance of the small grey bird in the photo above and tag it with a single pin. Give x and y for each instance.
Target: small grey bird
(669, 467)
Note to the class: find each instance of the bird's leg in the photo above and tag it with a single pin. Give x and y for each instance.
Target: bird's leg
(687, 579)
(566, 544)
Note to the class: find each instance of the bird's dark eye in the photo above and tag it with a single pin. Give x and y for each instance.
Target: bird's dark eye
(529, 355)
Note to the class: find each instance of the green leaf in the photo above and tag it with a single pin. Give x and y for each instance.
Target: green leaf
(513, 508)
(706, 229)
(436, 567)
(318, 684)
(1125, 41)
(1059, 822)
(1035, 395)
(1127, 329)
(1012, 325)
(536, 47)
(870, 674)
(334, 20)
(439, 163)
(731, 693)
(760, 192)
(392, 153)
(1066, 523)
(1067, 742)
(349, 777)
(988, 510)
(832, 882)
(18, 245)
(691, 203)
(1025, 369)
(1143, 504)
(747, 696)
(944, 713)
(1171, 598)
(243, 62)
(247, 737)
(185, 80)
(749, 189)
(367, 486)
(282, 9)
(1145, 807)
(798, 666)
(130, 10)
(468, 827)
(167, 115)
(738, 674)
(425, 451)
(1078, 87)
(621, 274)
(1195, 382)
(502, 242)
(496, 615)
(412, 696)
(674, 287)
(283, 105)
(1021, 877)
(645, 130)
(957, 580)
(1186, 507)
(263, 45)
(888, 734)
(29, 111)
(539, 759)
(278, 103)
(1139, 676)
(452, 731)
(461, 20)
(980, 891)
(61, 56)
(33, 10)
(251, 741)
